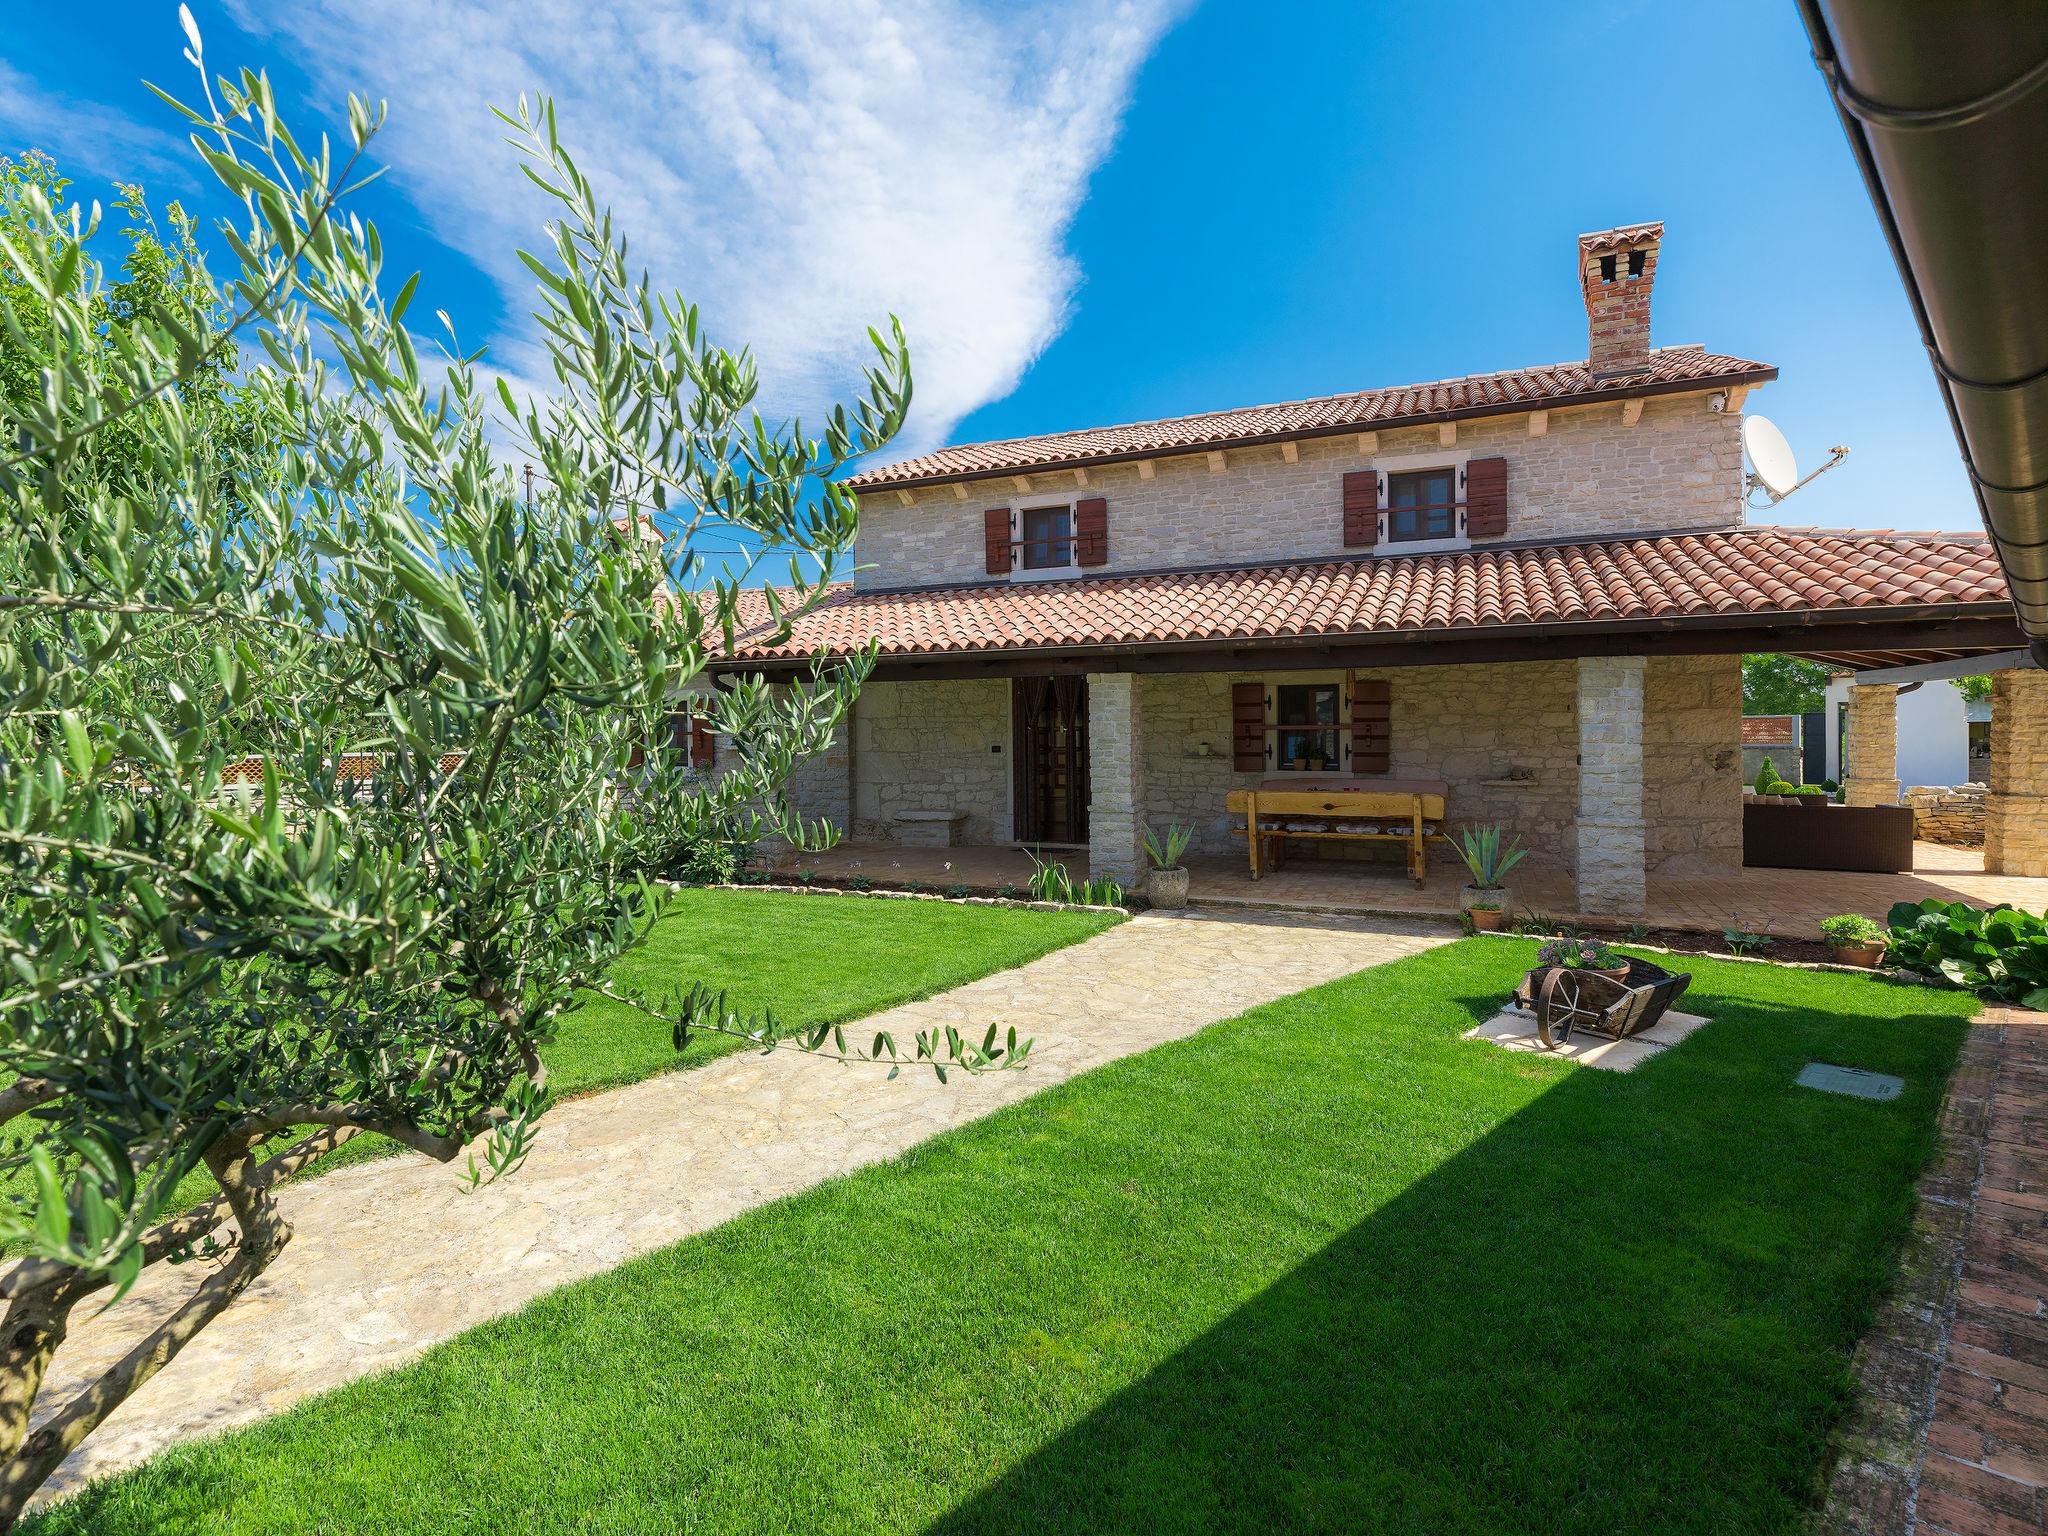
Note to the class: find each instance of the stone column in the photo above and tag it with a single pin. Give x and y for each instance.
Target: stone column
(1870, 769)
(1610, 825)
(1116, 799)
(2016, 809)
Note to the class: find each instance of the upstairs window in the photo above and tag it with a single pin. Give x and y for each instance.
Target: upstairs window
(1422, 504)
(1048, 538)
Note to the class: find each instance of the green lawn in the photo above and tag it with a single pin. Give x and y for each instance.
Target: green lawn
(814, 959)
(1322, 1267)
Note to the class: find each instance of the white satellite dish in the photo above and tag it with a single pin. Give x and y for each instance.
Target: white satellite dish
(1772, 467)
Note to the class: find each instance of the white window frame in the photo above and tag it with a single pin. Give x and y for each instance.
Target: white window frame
(1397, 464)
(1272, 683)
(1049, 572)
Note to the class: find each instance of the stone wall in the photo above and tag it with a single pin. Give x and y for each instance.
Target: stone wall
(2016, 808)
(1116, 757)
(1954, 816)
(1680, 466)
(1504, 737)
(1472, 726)
(1692, 767)
(929, 747)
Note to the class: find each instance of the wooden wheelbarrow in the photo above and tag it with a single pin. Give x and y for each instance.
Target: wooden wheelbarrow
(1600, 1003)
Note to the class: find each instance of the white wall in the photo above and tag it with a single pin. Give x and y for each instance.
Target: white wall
(1934, 738)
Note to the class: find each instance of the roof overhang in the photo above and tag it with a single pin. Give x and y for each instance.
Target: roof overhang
(1857, 639)
(1616, 390)
(1946, 112)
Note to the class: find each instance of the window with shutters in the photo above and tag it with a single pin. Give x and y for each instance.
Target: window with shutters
(1422, 504)
(1310, 723)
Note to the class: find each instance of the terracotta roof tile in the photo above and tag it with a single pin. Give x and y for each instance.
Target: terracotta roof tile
(1369, 410)
(1743, 570)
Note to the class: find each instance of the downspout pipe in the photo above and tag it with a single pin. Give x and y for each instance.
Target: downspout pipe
(1946, 111)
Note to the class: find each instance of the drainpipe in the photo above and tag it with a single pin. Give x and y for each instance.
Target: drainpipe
(1946, 111)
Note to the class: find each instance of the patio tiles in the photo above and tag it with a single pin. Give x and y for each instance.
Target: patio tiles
(1793, 901)
(1949, 1436)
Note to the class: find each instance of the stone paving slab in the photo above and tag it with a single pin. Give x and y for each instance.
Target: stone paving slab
(390, 1257)
(1514, 1029)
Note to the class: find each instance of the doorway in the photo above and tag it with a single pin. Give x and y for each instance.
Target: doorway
(1050, 720)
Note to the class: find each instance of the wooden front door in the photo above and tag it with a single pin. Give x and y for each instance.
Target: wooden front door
(1050, 715)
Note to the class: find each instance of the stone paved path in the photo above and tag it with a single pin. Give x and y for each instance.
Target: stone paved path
(390, 1257)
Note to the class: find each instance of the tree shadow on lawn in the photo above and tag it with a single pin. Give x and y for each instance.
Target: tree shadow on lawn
(1323, 1267)
(1628, 1307)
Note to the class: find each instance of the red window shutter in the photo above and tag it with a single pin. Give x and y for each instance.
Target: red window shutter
(703, 745)
(995, 524)
(1248, 727)
(1091, 531)
(1372, 742)
(1361, 508)
(1486, 499)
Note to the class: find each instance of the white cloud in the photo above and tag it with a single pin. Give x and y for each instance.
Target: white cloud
(800, 170)
(85, 136)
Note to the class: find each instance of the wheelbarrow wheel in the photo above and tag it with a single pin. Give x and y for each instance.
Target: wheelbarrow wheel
(1560, 1004)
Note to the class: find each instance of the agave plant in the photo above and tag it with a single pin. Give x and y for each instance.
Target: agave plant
(1488, 861)
(1166, 855)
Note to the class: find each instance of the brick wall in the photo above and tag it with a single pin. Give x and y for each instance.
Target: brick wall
(1680, 466)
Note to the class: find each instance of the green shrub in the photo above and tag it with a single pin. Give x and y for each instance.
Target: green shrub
(1766, 776)
(708, 861)
(2001, 953)
(1851, 928)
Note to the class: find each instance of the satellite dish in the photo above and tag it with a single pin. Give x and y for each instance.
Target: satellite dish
(1770, 456)
(1772, 467)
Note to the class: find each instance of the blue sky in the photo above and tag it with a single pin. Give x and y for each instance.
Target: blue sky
(1091, 212)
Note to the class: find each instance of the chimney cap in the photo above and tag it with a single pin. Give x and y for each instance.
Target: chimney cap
(1622, 237)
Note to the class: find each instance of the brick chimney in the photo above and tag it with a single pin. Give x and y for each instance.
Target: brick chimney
(1617, 268)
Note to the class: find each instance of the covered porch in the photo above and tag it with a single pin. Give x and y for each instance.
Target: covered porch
(1793, 900)
(1586, 698)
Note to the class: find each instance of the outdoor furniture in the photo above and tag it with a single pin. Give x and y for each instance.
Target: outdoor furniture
(1388, 814)
(1564, 1000)
(1876, 839)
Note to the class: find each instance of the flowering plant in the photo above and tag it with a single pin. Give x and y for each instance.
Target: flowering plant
(1580, 955)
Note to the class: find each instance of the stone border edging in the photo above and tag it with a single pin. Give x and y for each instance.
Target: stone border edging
(896, 895)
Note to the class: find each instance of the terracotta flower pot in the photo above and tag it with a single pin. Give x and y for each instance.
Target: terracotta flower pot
(1612, 973)
(1495, 896)
(1869, 956)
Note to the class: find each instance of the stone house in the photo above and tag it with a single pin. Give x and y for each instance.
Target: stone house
(1531, 587)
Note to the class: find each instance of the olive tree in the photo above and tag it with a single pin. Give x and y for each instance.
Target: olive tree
(223, 984)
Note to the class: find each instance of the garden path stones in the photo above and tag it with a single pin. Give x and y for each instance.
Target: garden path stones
(390, 1257)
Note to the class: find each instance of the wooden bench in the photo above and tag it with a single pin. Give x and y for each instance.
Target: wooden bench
(1399, 815)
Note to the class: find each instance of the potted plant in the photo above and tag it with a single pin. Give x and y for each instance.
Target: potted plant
(1854, 939)
(1812, 796)
(1485, 900)
(1167, 885)
(1594, 955)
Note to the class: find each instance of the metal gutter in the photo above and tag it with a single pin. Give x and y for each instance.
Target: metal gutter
(1946, 110)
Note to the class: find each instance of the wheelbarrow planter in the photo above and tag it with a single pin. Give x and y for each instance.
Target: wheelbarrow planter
(1566, 999)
